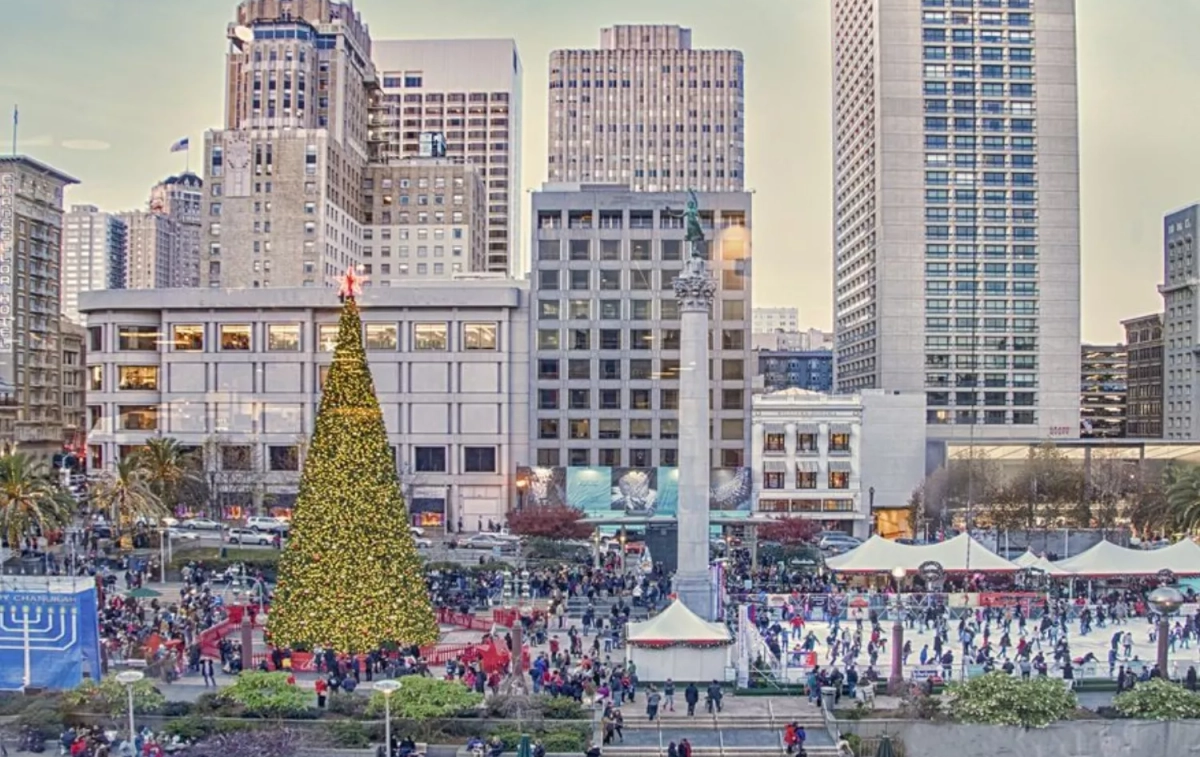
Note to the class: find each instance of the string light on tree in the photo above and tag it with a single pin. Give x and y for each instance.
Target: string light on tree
(350, 578)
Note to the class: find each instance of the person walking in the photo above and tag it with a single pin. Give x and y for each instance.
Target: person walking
(652, 700)
(322, 689)
(691, 695)
(669, 695)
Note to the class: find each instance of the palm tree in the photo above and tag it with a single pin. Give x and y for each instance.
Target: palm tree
(29, 499)
(168, 468)
(1183, 498)
(126, 495)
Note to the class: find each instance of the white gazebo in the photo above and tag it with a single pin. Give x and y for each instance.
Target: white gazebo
(680, 645)
(961, 554)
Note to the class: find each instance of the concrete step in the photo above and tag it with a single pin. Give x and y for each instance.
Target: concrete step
(638, 721)
(713, 751)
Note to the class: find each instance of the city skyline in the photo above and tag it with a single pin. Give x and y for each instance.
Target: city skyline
(1132, 174)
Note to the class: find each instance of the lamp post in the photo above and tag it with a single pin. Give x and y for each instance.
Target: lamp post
(128, 678)
(387, 687)
(622, 540)
(521, 484)
(1165, 600)
(896, 678)
(596, 548)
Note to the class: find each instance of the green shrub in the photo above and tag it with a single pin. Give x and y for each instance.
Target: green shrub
(422, 698)
(351, 705)
(110, 697)
(563, 708)
(44, 717)
(572, 742)
(175, 709)
(268, 695)
(1001, 699)
(1158, 699)
(349, 734)
(190, 728)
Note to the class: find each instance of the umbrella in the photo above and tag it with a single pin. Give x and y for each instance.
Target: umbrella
(885, 747)
(524, 749)
(143, 593)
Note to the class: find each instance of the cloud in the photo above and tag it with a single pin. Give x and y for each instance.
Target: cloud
(84, 144)
(42, 140)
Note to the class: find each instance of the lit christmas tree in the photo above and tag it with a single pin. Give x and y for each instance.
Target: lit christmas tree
(350, 577)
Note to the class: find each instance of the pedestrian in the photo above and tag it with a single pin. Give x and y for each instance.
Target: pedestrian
(691, 695)
(669, 695)
(207, 670)
(652, 700)
(322, 689)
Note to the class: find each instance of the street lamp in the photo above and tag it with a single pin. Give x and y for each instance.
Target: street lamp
(896, 678)
(521, 484)
(596, 550)
(128, 678)
(1165, 600)
(622, 541)
(387, 687)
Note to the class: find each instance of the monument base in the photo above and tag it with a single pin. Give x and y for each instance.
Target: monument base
(695, 591)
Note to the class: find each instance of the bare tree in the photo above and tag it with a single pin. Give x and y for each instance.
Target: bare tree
(235, 472)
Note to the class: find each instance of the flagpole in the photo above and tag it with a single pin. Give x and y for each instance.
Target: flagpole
(187, 157)
(14, 129)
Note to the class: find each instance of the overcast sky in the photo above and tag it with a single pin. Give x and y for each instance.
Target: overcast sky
(105, 86)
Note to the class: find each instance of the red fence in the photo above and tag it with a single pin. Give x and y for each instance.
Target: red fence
(464, 620)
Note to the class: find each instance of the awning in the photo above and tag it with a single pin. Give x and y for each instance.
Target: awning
(808, 466)
(774, 466)
(774, 428)
(839, 466)
(840, 428)
(808, 428)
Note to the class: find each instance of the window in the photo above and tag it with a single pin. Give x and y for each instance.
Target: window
(548, 428)
(839, 442)
(430, 459)
(137, 338)
(382, 336)
(774, 443)
(430, 337)
(479, 336)
(839, 479)
(548, 339)
(95, 338)
(806, 479)
(235, 338)
(479, 459)
(327, 337)
(579, 428)
(283, 337)
(548, 368)
(237, 457)
(773, 480)
(95, 378)
(284, 458)
(188, 338)
(137, 377)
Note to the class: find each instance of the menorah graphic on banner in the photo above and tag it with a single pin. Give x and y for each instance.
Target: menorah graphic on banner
(43, 625)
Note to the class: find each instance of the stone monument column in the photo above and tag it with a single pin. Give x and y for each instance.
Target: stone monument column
(694, 289)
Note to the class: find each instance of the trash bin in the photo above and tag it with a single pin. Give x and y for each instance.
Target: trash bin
(828, 694)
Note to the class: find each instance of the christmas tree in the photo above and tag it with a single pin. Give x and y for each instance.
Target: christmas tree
(350, 577)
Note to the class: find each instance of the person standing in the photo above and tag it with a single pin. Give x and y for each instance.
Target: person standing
(652, 700)
(322, 689)
(669, 695)
(691, 695)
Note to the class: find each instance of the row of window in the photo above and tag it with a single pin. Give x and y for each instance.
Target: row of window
(991, 233)
(974, 417)
(987, 178)
(287, 337)
(1019, 270)
(970, 251)
(776, 443)
(1018, 325)
(638, 399)
(995, 362)
(629, 339)
(987, 196)
(639, 457)
(587, 309)
(989, 380)
(990, 215)
(989, 160)
(1019, 288)
(806, 480)
(994, 343)
(608, 428)
(616, 280)
(806, 505)
(636, 369)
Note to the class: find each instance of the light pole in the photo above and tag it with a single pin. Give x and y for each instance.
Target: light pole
(896, 678)
(596, 548)
(128, 678)
(1165, 600)
(622, 540)
(387, 687)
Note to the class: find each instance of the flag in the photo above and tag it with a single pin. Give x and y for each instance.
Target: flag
(180, 146)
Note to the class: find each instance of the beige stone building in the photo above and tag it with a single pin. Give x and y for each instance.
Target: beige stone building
(648, 111)
(425, 218)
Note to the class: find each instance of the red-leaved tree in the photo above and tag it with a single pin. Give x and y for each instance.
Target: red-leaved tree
(790, 531)
(549, 522)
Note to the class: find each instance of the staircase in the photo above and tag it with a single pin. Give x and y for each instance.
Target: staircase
(723, 735)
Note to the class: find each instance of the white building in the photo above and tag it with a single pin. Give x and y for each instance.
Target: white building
(237, 374)
(468, 93)
(832, 457)
(93, 254)
(956, 210)
(1181, 326)
(770, 320)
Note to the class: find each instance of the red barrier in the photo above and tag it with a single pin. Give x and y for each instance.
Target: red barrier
(463, 620)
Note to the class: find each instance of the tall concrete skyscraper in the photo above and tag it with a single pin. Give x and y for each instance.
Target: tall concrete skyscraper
(93, 254)
(1181, 326)
(283, 180)
(151, 240)
(458, 99)
(648, 111)
(956, 204)
(179, 198)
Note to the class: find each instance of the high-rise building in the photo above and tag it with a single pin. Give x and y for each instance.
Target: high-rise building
(811, 370)
(457, 98)
(151, 241)
(425, 218)
(648, 111)
(607, 338)
(1181, 326)
(93, 254)
(1144, 406)
(956, 202)
(770, 320)
(179, 198)
(284, 178)
(31, 374)
(1103, 390)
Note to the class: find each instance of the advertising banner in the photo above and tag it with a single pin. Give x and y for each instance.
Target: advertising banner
(49, 632)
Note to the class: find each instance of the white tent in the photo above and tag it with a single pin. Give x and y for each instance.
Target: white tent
(1027, 559)
(1047, 567)
(958, 555)
(680, 645)
(1109, 560)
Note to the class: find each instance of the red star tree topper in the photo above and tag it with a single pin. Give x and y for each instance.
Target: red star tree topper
(351, 285)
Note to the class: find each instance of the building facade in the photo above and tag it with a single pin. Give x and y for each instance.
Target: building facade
(1144, 406)
(648, 111)
(459, 99)
(787, 369)
(93, 254)
(834, 458)
(283, 181)
(151, 241)
(1103, 390)
(1181, 326)
(180, 199)
(770, 320)
(237, 374)
(31, 322)
(425, 218)
(956, 204)
(607, 333)
(794, 341)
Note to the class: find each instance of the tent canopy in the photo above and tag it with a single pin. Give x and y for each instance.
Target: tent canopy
(1049, 568)
(958, 555)
(1110, 560)
(1027, 559)
(677, 624)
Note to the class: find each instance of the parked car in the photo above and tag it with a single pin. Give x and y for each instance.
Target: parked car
(201, 524)
(248, 536)
(180, 534)
(267, 523)
(416, 530)
(490, 541)
(422, 542)
(838, 543)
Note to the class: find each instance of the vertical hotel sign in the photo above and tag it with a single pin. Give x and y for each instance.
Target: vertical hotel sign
(8, 232)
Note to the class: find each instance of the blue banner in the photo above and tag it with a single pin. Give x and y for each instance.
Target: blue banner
(590, 489)
(49, 632)
(668, 491)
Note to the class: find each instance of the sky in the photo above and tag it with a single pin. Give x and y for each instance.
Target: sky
(105, 86)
